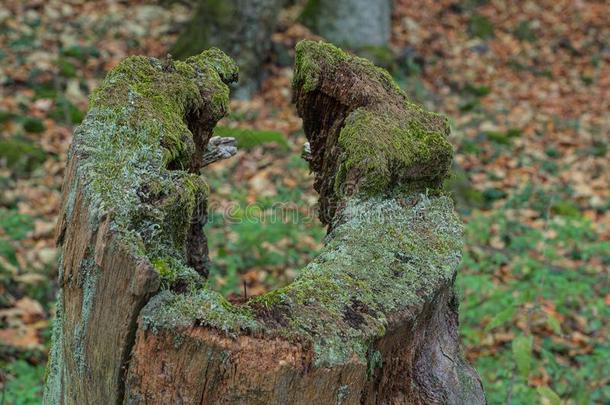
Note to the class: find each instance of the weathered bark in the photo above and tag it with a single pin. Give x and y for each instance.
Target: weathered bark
(372, 319)
(352, 23)
(242, 28)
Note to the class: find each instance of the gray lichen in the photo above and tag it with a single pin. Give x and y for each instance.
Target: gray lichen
(52, 393)
(175, 312)
(90, 275)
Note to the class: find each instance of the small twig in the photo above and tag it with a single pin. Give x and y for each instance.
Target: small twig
(245, 291)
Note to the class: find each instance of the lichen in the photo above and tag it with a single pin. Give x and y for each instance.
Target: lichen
(385, 257)
(375, 361)
(202, 306)
(342, 394)
(54, 370)
(89, 274)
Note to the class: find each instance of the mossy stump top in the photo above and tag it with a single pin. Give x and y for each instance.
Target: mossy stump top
(366, 137)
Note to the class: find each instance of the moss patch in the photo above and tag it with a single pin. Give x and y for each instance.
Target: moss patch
(312, 56)
(386, 257)
(171, 311)
(385, 152)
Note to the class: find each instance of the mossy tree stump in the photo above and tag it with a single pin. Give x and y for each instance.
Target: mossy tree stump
(372, 319)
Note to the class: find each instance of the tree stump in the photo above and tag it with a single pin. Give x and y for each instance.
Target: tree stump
(372, 319)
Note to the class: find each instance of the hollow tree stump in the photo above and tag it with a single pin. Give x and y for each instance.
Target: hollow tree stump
(372, 319)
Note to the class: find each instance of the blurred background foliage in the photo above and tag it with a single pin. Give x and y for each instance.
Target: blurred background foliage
(525, 85)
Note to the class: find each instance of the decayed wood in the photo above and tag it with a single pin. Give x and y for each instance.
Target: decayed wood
(372, 319)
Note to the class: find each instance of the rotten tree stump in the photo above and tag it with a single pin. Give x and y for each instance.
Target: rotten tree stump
(372, 319)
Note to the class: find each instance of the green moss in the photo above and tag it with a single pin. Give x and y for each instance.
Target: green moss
(162, 267)
(158, 95)
(270, 299)
(387, 152)
(175, 312)
(387, 143)
(385, 257)
(311, 56)
(173, 271)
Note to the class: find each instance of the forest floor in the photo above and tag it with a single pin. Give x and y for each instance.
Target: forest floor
(526, 85)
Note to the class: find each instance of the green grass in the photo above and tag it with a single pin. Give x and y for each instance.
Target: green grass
(23, 384)
(241, 240)
(537, 280)
(248, 139)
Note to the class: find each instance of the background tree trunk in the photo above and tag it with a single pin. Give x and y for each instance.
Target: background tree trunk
(351, 23)
(242, 28)
(372, 319)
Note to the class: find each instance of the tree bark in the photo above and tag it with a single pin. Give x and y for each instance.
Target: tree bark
(242, 28)
(354, 24)
(372, 319)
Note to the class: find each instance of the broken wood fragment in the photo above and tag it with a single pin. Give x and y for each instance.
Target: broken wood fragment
(219, 148)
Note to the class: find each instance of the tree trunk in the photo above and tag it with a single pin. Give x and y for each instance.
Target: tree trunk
(242, 28)
(355, 24)
(372, 319)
